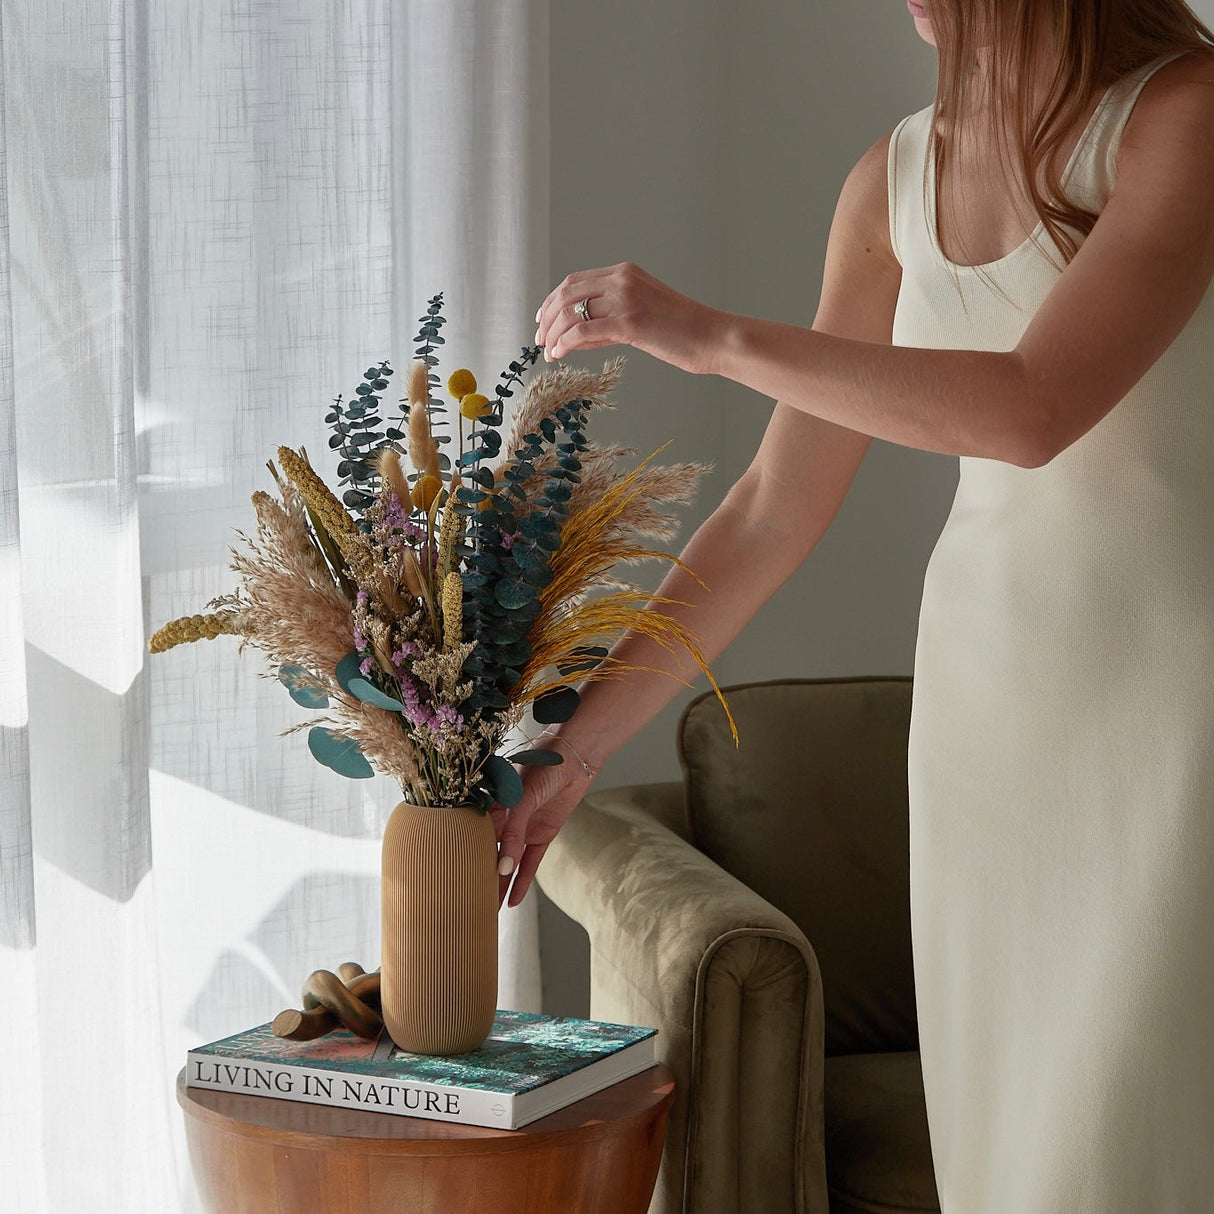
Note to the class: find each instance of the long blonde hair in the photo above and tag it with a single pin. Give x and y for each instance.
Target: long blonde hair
(1100, 41)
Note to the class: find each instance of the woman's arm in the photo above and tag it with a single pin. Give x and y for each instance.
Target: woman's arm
(760, 534)
(1133, 286)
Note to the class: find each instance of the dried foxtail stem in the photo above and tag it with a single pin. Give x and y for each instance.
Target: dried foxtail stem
(328, 551)
(449, 530)
(453, 610)
(194, 628)
(328, 513)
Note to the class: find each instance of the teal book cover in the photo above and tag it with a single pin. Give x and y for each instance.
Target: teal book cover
(529, 1066)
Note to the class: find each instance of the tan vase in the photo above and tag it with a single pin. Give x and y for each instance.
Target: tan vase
(439, 901)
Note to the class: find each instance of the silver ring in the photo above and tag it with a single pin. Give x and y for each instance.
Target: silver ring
(583, 309)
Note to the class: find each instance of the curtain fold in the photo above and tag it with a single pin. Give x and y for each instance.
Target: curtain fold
(214, 217)
(22, 1167)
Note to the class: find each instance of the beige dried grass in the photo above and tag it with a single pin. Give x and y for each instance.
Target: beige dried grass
(288, 605)
(550, 391)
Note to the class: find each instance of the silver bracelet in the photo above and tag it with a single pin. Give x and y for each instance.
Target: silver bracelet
(590, 771)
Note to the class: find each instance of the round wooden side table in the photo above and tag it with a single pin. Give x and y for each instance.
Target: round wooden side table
(255, 1155)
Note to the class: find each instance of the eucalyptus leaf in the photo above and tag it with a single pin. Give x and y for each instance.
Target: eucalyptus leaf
(556, 706)
(368, 693)
(513, 594)
(481, 798)
(516, 653)
(528, 556)
(350, 667)
(538, 576)
(536, 758)
(506, 783)
(340, 754)
(302, 690)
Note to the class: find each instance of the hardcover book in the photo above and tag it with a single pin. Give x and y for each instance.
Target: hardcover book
(530, 1066)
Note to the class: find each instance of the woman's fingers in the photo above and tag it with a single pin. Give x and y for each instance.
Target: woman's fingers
(526, 872)
(624, 305)
(585, 311)
(571, 330)
(585, 284)
(550, 795)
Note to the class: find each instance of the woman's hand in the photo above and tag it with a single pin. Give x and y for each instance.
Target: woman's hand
(550, 795)
(626, 306)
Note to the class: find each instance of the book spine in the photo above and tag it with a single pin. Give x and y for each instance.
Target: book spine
(375, 1094)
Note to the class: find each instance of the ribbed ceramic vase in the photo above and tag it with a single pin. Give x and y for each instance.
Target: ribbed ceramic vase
(438, 980)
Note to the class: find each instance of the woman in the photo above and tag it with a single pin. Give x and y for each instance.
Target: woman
(1020, 276)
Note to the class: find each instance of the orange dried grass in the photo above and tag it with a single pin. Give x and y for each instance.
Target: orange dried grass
(592, 543)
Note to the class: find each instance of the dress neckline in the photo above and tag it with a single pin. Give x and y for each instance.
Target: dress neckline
(1033, 239)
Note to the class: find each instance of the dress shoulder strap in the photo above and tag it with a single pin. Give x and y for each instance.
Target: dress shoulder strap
(1093, 172)
(906, 166)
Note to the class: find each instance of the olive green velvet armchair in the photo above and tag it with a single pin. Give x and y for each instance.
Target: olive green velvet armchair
(757, 914)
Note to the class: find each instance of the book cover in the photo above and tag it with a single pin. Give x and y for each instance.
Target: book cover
(530, 1066)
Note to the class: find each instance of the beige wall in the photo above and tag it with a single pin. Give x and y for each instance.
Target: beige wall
(707, 140)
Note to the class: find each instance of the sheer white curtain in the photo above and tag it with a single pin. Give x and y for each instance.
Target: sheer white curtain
(213, 217)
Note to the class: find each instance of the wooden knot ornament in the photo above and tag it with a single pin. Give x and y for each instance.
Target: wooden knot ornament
(349, 998)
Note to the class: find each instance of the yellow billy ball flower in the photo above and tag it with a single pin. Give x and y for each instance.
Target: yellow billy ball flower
(474, 405)
(461, 383)
(425, 490)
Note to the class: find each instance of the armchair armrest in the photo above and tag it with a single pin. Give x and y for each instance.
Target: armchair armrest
(730, 982)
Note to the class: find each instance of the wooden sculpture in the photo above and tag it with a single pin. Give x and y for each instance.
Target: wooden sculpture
(349, 998)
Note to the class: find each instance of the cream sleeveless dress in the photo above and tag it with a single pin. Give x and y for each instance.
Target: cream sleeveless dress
(1062, 764)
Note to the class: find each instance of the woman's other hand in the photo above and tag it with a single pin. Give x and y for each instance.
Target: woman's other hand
(550, 795)
(626, 306)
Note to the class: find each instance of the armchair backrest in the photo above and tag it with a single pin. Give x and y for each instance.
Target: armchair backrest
(810, 811)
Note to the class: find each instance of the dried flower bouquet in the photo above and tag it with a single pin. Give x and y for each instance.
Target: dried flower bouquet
(441, 596)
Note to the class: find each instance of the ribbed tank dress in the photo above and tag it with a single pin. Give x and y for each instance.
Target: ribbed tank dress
(1062, 762)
